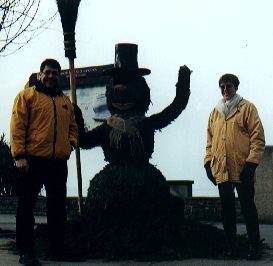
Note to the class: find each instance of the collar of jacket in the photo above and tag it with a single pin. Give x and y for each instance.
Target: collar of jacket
(235, 110)
(52, 92)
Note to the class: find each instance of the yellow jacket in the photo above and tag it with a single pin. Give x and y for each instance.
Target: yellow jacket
(233, 141)
(42, 126)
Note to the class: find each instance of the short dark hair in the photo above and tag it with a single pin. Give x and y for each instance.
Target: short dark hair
(230, 78)
(52, 63)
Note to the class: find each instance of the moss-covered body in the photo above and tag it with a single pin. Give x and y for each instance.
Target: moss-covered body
(129, 209)
(129, 206)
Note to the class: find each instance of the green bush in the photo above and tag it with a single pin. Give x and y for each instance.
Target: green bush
(8, 172)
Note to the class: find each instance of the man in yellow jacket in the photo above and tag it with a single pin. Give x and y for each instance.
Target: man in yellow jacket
(42, 134)
(235, 146)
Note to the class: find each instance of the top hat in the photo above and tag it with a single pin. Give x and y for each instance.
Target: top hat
(126, 61)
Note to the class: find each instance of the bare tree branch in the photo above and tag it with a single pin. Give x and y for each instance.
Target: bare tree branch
(20, 22)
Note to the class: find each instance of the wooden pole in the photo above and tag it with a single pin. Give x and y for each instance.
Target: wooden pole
(77, 150)
(68, 10)
(72, 81)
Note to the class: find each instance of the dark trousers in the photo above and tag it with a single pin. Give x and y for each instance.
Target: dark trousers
(53, 175)
(246, 197)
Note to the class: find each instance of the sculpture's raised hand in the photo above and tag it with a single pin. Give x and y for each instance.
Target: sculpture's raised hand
(183, 84)
(184, 76)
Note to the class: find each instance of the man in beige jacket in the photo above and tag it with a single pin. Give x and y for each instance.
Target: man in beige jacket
(235, 146)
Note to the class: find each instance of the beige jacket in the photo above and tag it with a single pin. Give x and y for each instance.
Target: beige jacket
(42, 126)
(233, 141)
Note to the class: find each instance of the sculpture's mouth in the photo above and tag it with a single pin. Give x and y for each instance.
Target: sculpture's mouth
(123, 106)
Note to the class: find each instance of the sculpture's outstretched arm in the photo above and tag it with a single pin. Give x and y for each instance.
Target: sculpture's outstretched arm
(162, 119)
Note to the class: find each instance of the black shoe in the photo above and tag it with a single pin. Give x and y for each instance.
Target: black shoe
(28, 259)
(254, 254)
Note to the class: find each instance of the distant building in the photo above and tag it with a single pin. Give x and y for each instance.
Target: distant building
(91, 84)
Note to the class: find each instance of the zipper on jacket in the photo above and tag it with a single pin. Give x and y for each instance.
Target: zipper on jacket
(55, 126)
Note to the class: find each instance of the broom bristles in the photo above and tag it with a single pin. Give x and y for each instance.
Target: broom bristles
(68, 10)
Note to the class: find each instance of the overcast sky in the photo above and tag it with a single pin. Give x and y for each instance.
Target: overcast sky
(212, 37)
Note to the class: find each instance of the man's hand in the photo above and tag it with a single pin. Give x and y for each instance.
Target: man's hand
(248, 172)
(209, 173)
(22, 165)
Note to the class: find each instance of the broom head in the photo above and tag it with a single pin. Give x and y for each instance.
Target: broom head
(68, 10)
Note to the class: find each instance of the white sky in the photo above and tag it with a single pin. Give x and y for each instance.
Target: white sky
(212, 37)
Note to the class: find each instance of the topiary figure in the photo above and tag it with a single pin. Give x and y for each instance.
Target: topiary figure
(129, 211)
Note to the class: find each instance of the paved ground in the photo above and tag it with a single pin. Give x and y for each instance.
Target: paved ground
(7, 222)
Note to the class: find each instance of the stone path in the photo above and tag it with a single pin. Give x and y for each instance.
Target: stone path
(7, 222)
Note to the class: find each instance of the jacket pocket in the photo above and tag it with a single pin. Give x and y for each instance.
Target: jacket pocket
(238, 163)
(215, 166)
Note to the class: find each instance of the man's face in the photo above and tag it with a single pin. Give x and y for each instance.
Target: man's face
(228, 90)
(49, 77)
